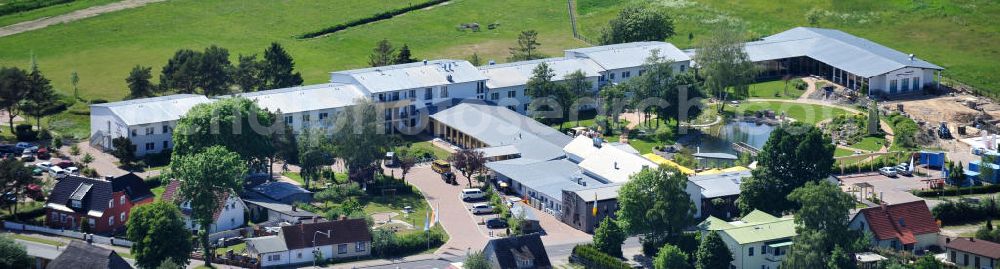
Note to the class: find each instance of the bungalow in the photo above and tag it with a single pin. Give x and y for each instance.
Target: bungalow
(973, 253)
(758, 240)
(147, 122)
(297, 244)
(80, 255)
(101, 205)
(905, 226)
(229, 212)
(517, 252)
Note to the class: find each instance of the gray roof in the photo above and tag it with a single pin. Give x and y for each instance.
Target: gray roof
(518, 210)
(277, 206)
(498, 151)
(80, 255)
(413, 75)
(601, 193)
(715, 155)
(306, 98)
(154, 110)
(835, 48)
(498, 126)
(518, 73)
(267, 244)
(279, 190)
(628, 55)
(720, 185)
(548, 177)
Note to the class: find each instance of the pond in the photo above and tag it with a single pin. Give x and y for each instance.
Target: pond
(720, 139)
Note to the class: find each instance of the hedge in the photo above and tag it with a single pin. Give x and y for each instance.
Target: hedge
(22, 6)
(994, 188)
(964, 212)
(374, 18)
(590, 257)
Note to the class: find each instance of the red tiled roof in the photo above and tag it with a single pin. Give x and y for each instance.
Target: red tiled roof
(976, 246)
(901, 221)
(170, 195)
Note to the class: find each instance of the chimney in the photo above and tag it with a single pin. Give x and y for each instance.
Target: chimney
(616, 165)
(109, 178)
(911, 56)
(425, 61)
(328, 233)
(293, 208)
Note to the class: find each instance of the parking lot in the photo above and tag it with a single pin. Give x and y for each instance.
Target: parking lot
(893, 190)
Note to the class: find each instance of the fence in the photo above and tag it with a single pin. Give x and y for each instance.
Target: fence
(14, 226)
(239, 232)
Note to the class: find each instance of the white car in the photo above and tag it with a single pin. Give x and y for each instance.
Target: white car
(887, 171)
(481, 208)
(57, 172)
(44, 165)
(472, 194)
(72, 170)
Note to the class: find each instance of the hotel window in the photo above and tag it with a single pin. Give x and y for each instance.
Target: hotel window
(121, 216)
(166, 144)
(893, 86)
(62, 217)
(495, 96)
(511, 94)
(626, 74)
(342, 248)
(91, 222)
(444, 91)
(750, 252)
(916, 83)
(135, 132)
(305, 118)
(428, 94)
(413, 95)
(150, 130)
(601, 78)
(299, 255)
(763, 249)
(166, 129)
(150, 146)
(288, 120)
(611, 76)
(111, 203)
(360, 247)
(683, 68)
(323, 115)
(906, 84)
(640, 72)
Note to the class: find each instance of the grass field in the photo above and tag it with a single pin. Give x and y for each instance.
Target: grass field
(774, 89)
(806, 113)
(839, 152)
(50, 11)
(870, 143)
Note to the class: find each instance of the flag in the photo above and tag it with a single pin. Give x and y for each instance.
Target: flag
(595, 204)
(427, 221)
(437, 216)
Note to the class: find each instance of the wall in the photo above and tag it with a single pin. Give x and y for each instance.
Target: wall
(105, 126)
(579, 214)
(157, 138)
(14, 226)
(884, 81)
(965, 259)
(694, 191)
(231, 217)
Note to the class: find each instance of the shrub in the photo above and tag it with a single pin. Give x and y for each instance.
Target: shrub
(589, 256)
(89, 172)
(74, 150)
(958, 191)
(98, 101)
(24, 132)
(154, 181)
(21, 6)
(964, 212)
(387, 243)
(339, 193)
(800, 85)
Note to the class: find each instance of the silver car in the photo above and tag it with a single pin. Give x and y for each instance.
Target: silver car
(887, 171)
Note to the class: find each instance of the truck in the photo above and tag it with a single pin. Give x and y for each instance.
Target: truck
(943, 131)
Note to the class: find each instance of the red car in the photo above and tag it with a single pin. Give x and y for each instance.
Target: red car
(64, 164)
(43, 154)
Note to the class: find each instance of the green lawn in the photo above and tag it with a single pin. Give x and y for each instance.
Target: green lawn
(839, 152)
(386, 204)
(237, 248)
(775, 89)
(427, 145)
(50, 11)
(294, 176)
(158, 191)
(806, 113)
(870, 143)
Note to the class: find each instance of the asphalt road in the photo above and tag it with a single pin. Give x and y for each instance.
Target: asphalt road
(558, 255)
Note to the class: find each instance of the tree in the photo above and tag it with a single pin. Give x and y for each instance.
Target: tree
(475, 60)
(41, 98)
(807, 252)
(122, 148)
(13, 90)
(713, 253)
(169, 264)
(725, 64)
(839, 259)
(74, 79)
(154, 228)
(237, 124)
(204, 176)
(361, 139)
(654, 203)
(527, 47)
(543, 91)
(87, 159)
(613, 100)
(181, 72)
(468, 162)
(927, 262)
(476, 260)
(14, 178)
(139, 85)
(214, 71)
(279, 68)
(404, 56)
(13, 255)
(382, 55)
(793, 155)
(637, 23)
(311, 162)
(609, 237)
(823, 208)
(248, 75)
(406, 159)
(575, 87)
(671, 257)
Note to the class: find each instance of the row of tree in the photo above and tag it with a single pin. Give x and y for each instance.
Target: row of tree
(28, 92)
(385, 54)
(210, 72)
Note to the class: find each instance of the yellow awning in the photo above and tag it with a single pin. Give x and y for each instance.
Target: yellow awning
(663, 161)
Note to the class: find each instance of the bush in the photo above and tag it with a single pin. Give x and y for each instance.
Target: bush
(905, 130)
(339, 193)
(965, 212)
(21, 6)
(958, 191)
(154, 181)
(589, 256)
(24, 132)
(387, 243)
(89, 172)
(799, 84)
(98, 101)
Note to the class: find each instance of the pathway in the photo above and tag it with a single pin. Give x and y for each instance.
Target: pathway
(72, 16)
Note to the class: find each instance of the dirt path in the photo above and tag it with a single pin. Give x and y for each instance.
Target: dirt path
(72, 16)
(810, 88)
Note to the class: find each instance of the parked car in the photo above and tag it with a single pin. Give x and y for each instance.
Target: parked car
(449, 178)
(7, 148)
(43, 154)
(72, 170)
(903, 169)
(27, 158)
(472, 194)
(481, 208)
(496, 223)
(21, 146)
(37, 171)
(64, 164)
(44, 165)
(887, 171)
(390, 159)
(57, 172)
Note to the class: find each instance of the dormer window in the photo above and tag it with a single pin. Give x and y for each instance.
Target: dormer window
(76, 204)
(111, 203)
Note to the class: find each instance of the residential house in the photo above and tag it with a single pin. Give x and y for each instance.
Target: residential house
(100, 205)
(297, 244)
(80, 255)
(284, 192)
(517, 252)
(624, 61)
(261, 208)
(758, 240)
(578, 206)
(405, 89)
(973, 253)
(229, 212)
(310, 106)
(147, 122)
(506, 84)
(715, 194)
(905, 226)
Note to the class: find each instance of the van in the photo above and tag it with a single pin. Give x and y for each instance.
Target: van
(472, 194)
(57, 172)
(441, 166)
(390, 159)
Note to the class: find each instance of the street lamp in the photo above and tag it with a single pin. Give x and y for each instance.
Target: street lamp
(316, 249)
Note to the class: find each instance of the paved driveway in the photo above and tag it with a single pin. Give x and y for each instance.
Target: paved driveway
(894, 190)
(463, 231)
